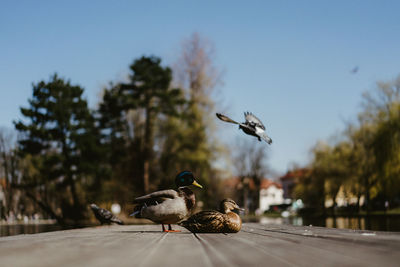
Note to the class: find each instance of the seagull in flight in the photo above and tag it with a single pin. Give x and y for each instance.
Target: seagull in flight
(252, 126)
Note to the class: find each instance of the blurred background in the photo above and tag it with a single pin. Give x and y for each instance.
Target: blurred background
(103, 102)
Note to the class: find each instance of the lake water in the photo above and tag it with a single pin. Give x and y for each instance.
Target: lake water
(374, 223)
(17, 229)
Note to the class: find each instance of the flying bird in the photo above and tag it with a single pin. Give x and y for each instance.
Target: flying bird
(354, 70)
(252, 126)
(168, 206)
(104, 216)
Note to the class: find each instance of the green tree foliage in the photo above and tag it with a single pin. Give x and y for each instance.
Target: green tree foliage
(143, 133)
(384, 113)
(187, 141)
(367, 163)
(329, 168)
(130, 112)
(9, 172)
(60, 138)
(251, 167)
(121, 151)
(386, 147)
(362, 176)
(150, 90)
(311, 189)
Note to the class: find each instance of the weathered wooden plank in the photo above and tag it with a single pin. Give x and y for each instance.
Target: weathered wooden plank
(255, 245)
(237, 250)
(336, 247)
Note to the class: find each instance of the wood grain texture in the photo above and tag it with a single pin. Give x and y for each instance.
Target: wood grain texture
(254, 245)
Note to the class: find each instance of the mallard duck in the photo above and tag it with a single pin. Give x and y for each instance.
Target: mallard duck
(168, 206)
(104, 216)
(252, 126)
(223, 221)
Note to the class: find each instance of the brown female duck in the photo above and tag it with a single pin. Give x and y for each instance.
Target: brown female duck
(225, 221)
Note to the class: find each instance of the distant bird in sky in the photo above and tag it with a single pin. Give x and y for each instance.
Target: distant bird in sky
(252, 126)
(104, 216)
(354, 70)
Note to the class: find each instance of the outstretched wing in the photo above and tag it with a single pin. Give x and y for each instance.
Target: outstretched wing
(170, 193)
(225, 118)
(261, 133)
(252, 119)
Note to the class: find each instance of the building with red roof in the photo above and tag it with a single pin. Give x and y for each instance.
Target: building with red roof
(244, 191)
(290, 180)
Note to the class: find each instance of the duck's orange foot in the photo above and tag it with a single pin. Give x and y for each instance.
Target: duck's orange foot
(169, 229)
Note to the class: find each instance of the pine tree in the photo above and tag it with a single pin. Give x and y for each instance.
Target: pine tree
(188, 140)
(60, 137)
(143, 100)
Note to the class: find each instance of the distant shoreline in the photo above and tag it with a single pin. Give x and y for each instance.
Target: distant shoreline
(30, 222)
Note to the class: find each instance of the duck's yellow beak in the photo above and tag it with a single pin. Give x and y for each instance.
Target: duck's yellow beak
(197, 184)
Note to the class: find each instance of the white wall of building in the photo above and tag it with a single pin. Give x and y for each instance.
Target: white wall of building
(270, 196)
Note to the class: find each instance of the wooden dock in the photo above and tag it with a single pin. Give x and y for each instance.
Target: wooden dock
(255, 245)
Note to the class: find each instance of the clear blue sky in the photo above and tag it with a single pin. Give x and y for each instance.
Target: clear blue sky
(288, 62)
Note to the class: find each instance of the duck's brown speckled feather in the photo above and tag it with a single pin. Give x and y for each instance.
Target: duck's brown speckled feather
(213, 222)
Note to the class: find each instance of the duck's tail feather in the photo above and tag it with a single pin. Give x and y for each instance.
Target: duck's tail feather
(137, 211)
